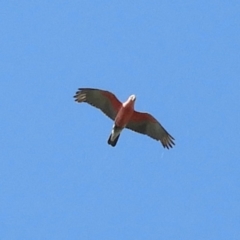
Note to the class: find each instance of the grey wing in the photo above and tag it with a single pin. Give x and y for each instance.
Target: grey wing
(101, 99)
(146, 124)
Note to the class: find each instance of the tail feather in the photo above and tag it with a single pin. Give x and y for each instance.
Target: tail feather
(114, 142)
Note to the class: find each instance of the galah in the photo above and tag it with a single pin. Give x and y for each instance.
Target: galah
(124, 116)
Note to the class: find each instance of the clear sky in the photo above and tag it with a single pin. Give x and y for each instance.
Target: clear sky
(59, 179)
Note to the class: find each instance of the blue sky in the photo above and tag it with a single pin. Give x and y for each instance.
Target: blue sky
(59, 179)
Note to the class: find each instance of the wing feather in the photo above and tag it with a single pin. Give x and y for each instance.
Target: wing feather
(106, 101)
(146, 124)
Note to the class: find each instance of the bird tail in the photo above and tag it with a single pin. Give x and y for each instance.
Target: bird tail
(114, 142)
(114, 136)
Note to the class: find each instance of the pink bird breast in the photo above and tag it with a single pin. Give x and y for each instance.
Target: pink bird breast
(125, 112)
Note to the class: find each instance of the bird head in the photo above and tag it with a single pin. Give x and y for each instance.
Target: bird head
(130, 101)
(132, 98)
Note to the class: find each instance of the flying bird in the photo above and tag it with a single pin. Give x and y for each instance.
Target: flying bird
(124, 116)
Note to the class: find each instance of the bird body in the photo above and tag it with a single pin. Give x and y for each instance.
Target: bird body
(124, 116)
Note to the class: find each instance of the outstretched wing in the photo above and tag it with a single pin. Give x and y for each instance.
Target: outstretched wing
(146, 124)
(103, 100)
